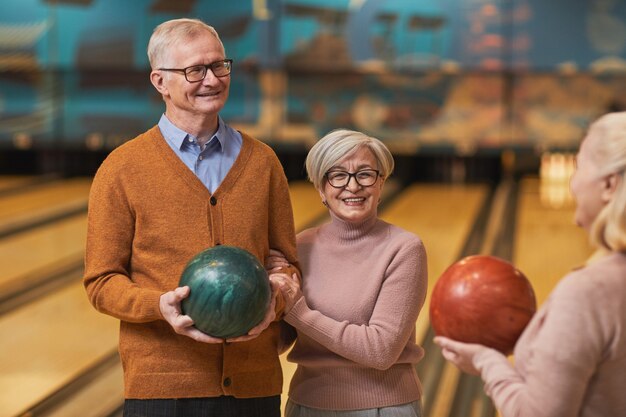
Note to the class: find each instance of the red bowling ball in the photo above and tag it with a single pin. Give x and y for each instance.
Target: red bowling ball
(482, 299)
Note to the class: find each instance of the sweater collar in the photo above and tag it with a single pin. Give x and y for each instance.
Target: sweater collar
(350, 231)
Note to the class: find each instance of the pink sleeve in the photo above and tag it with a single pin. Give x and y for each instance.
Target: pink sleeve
(379, 343)
(558, 360)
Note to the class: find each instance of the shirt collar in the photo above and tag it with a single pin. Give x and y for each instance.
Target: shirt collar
(221, 132)
(177, 136)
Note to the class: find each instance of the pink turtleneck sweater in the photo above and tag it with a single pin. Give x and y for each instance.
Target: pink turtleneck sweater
(364, 285)
(571, 359)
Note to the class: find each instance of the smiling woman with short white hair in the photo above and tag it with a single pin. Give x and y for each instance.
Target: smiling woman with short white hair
(364, 282)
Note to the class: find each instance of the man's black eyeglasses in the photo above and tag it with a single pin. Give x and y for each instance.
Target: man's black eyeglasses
(197, 73)
(364, 177)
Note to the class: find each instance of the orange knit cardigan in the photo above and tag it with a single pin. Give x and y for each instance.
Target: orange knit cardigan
(148, 216)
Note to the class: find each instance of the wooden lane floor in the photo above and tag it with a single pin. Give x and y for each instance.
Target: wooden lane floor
(43, 203)
(47, 344)
(432, 212)
(307, 204)
(41, 235)
(37, 257)
(29, 256)
(13, 182)
(58, 338)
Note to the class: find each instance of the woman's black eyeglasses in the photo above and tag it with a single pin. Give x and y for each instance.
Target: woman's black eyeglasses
(364, 177)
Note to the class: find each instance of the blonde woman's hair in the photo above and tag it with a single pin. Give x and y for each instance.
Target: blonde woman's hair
(338, 144)
(169, 33)
(608, 152)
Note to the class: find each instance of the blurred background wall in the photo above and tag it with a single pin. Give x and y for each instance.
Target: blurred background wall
(431, 78)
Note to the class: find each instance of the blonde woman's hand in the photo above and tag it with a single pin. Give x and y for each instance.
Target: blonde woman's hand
(275, 260)
(464, 355)
(289, 287)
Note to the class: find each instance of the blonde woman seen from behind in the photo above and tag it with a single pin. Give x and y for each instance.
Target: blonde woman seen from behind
(571, 359)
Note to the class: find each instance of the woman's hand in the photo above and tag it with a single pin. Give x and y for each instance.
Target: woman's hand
(289, 286)
(275, 260)
(169, 304)
(463, 355)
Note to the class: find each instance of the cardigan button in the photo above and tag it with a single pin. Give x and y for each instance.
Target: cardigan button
(213, 201)
(227, 382)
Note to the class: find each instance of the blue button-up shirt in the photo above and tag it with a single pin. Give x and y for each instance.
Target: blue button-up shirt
(210, 163)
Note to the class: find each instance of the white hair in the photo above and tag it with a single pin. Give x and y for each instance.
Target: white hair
(338, 144)
(168, 33)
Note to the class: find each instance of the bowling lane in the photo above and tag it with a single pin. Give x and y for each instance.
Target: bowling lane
(47, 344)
(101, 396)
(547, 243)
(306, 203)
(10, 182)
(46, 201)
(28, 257)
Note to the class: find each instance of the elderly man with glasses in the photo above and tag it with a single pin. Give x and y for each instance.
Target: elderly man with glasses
(189, 183)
